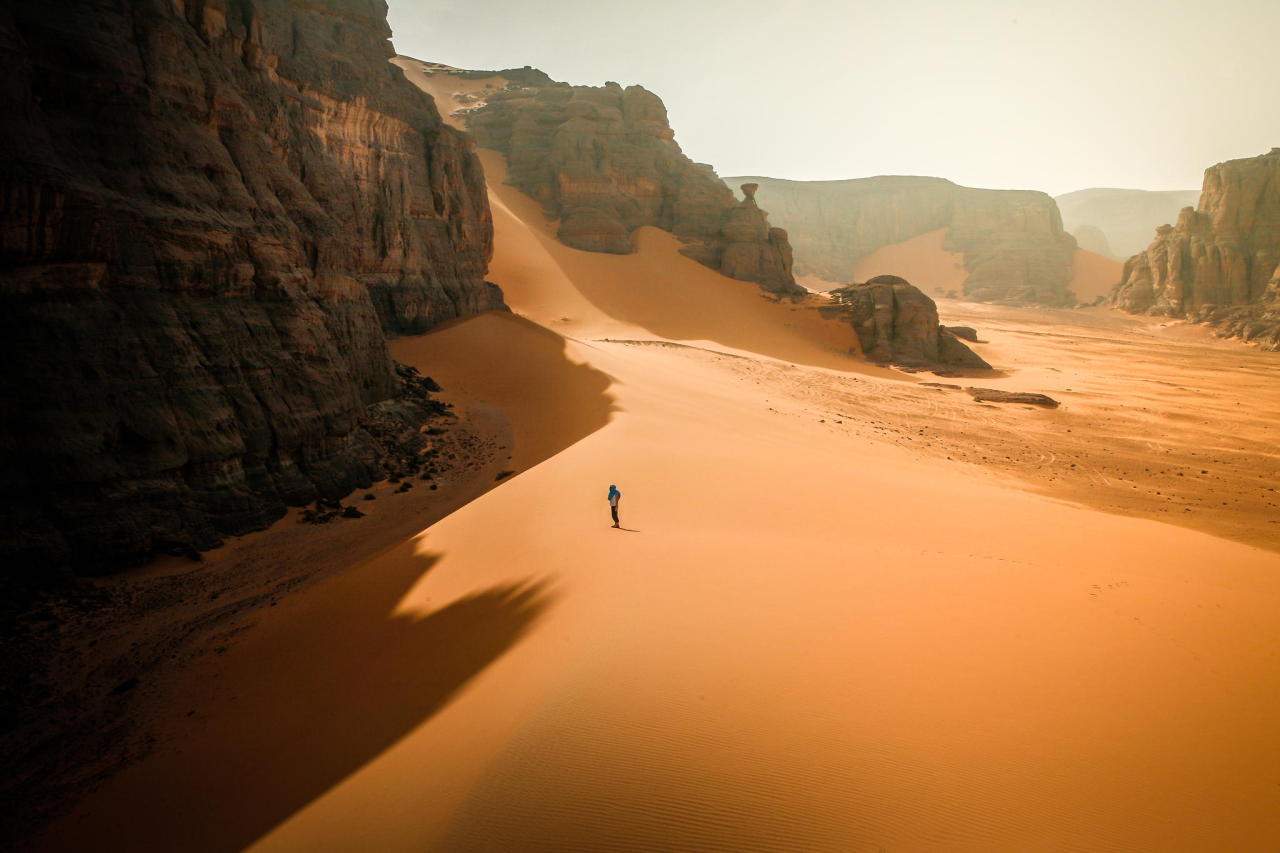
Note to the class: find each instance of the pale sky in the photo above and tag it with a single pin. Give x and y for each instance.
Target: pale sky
(1054, 96)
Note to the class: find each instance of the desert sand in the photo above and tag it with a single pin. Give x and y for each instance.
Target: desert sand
(846, 611)
(920, 260)
(1094, 275)
(924, 262)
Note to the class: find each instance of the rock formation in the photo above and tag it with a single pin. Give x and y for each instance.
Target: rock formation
(1091, 239)
(897, 323)
(212, 211)
(604, 161)
(1028, 398)
(1220, 262)
(1015, 249)
(1118, 222)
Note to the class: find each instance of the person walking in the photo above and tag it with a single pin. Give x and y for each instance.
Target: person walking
(614, 497)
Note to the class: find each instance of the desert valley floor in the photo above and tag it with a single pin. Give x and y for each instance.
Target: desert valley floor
(847, 610)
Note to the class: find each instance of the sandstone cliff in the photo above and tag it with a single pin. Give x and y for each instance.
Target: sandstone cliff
(1220, 262)
(1014, 246)
(604, 161)
(212, 211)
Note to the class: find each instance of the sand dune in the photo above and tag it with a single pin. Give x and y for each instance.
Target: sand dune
(846, 611)
(1094, 275)
(924, 262)
(920, 260)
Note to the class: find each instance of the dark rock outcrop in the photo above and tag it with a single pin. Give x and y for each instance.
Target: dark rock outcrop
(1220, 263)
(604, 161)
(964, 333)
(213, 212)
(897, 323)
(1015, 249)
(994, 395)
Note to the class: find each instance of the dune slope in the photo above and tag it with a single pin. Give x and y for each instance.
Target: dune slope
(836, 617)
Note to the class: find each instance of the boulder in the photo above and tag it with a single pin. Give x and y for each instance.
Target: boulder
(992, 395)
(966, 333)
(897, 323)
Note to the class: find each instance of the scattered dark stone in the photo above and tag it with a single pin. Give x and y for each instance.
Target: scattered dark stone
(310, 516)
(404, 487)
(967, 333)
(371, 497)
(433, 487)
(946, 385)
(352, 512)
(991, 395)
(435, 431)
(502, 475)
(125, 686)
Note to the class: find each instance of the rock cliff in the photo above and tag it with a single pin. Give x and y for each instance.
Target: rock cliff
(897, 323)
(604, 161)
(1014, 246)
(214, 210)
(1220, 262)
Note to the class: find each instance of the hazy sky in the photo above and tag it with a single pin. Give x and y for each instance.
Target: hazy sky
(1055, 96)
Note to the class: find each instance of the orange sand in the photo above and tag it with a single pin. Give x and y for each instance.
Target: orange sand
(818, 631)
(1094, 275)
(920, 260)
(925, 263)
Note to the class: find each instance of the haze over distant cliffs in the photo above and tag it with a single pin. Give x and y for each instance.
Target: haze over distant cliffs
(604, 161)
(1220, 263)
(1012, 241)
(1118, 222)
(212, 219)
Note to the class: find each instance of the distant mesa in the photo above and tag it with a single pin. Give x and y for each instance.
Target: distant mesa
(897, 323)
(1012, 241)
(1219, 263)
(1092, 239)
(1118, 222)
(604, 161)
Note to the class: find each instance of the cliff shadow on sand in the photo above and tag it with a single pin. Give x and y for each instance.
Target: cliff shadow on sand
(320, 690)
(301, 716)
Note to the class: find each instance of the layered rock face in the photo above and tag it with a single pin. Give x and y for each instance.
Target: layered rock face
(212, 211)
(1220, 262)
(1118, 222)
(604, 161)
(897, 323)
(1014, 246)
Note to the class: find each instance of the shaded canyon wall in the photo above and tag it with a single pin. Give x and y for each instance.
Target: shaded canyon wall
(214, 211)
